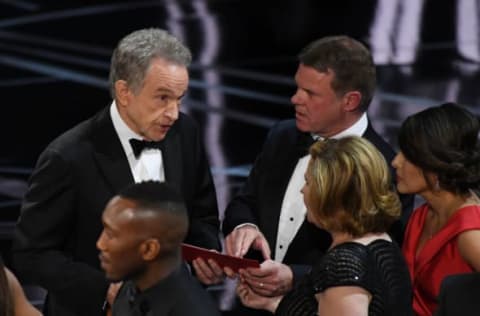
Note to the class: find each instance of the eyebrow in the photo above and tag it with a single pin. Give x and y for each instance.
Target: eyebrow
(106, 225)
(160, 90)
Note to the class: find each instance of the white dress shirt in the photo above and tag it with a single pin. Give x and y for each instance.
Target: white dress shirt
(149, 165)
(293, 209)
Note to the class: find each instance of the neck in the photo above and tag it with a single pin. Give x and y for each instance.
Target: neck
(339, 238)
(348, 120)
(444, 204)
(157, 271)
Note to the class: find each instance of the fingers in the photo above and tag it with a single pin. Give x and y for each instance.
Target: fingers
(242, 292)
(265, 249)
(239, 240)
(261, 288)
(208, 272)
(271, 279)
(229, 272)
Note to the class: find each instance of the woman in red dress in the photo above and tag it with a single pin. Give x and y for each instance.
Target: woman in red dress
(440, 161)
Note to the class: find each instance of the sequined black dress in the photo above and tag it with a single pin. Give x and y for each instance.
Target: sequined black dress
(378, 267)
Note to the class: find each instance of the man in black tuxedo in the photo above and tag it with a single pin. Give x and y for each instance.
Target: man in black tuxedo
(140, 245)
(140, 136)
(335, 84)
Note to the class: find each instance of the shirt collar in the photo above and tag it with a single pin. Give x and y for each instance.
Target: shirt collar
(124, 132)
(357, 129)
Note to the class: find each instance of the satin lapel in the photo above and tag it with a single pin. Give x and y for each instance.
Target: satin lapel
(109, 153)
(172, 159)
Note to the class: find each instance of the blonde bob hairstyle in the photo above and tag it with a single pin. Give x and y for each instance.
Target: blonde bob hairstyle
(350, 188)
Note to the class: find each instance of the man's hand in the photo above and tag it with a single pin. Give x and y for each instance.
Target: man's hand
(271, 279)
(208, 272)
(241, 239)
(253, 300)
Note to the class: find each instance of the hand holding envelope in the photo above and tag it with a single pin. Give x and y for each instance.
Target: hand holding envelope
(191, 252)
(211, 265)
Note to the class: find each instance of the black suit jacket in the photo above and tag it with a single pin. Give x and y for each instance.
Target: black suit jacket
(179, 294)
(260, 200)
(459, 295)
(76, 175)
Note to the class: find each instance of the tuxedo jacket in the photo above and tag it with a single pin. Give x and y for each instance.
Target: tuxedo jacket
(75, 176)
(179, 294)
(260, 199)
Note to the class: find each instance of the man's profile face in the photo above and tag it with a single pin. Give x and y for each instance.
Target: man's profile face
(120, 241)
(152, 110)
(317, 108)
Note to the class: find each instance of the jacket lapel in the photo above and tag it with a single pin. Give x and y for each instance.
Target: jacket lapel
(109, 153)
(172, 158)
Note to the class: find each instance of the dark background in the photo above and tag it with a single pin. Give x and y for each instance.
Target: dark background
(54, 60)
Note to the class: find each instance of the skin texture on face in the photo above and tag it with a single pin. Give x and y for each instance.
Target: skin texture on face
(317, 108)
(151, 111)
(410, 178)
(120, 241)
(306, 191)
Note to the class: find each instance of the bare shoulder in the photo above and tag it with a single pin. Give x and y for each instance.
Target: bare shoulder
(21, 304)
(344, 300)
(469, 247)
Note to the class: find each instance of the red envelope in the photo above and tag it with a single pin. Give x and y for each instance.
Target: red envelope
(191, 252)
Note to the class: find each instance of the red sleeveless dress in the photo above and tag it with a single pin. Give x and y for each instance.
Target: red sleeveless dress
(439, 256)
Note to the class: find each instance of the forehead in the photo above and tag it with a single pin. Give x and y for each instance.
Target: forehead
(119, 210)
(309, 76)
(164, 72)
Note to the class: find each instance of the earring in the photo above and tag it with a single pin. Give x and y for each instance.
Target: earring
(437, 185)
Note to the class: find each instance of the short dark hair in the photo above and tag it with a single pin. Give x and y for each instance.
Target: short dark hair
(155, 195)
(351, 188)
(349, 60)
(167, 205)
(444, 140)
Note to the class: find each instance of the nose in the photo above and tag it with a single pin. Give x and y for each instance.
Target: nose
(297, 97)
(172, 111)
(101, 241)
(396, 161)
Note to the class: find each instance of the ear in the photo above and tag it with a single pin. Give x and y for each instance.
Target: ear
(351, 100)
(150, 249)
(122, 93)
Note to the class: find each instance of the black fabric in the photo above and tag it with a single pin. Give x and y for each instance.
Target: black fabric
(178, 294)
(459, 295)
(259, 201)
(139, 145)
(378, 267)
(75, 177)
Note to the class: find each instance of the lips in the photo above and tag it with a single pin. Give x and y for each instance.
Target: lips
(102, 259)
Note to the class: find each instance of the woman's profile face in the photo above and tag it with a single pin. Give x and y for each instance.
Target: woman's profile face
(306, 191)
(410, 178)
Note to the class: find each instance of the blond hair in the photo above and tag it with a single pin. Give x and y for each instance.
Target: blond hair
(351, 189)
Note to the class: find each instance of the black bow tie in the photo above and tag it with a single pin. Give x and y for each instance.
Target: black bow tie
(139, 145)
(303, 144)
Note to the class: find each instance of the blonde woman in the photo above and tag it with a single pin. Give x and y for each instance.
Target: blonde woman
(347, 192)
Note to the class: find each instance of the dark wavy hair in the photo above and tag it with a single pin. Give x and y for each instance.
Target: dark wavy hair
(444, 140)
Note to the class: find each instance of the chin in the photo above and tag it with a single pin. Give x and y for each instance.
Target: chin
(113, 278)
(302, 127)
